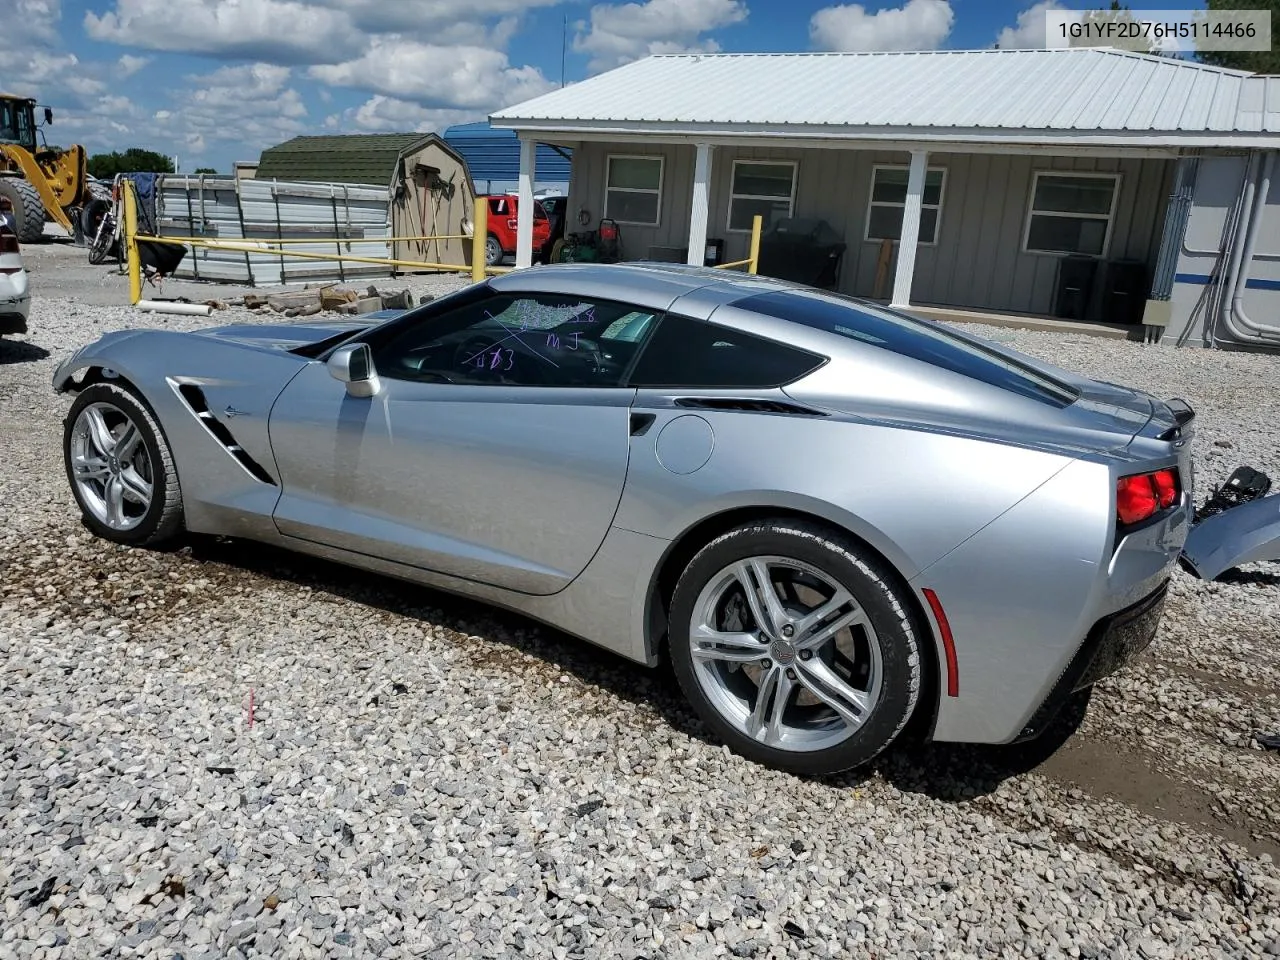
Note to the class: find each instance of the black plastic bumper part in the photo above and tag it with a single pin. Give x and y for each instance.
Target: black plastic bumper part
(1113, 641)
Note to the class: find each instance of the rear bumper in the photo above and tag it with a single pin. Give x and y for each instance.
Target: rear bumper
(1042, 601)
(1112, 642)
(15, 302)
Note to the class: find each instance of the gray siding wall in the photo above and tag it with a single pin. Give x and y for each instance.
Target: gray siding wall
(978, 260)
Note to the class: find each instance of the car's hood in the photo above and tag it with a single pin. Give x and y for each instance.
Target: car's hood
(283, 336)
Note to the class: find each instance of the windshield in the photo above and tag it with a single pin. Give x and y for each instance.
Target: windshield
(925, 340)
(16, 123)
(8, 127)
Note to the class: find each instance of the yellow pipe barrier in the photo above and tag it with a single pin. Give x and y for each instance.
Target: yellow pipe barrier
(131, 242)
(275, 247)
(756, 224)
(329, 240)
(267, 250)
(479, 233)
(753, 261)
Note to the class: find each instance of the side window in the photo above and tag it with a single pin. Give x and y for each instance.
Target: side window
(692, 353)
(530, 340)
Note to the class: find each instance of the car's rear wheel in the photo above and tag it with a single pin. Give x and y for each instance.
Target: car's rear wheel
(120, 468)
(794, 647)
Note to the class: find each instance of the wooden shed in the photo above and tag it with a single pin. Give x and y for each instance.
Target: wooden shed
(431, 195)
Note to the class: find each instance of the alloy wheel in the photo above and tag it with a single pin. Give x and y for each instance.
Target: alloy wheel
(111, 466)
(785, 653)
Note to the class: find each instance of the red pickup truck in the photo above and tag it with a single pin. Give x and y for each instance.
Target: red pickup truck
(501, 241)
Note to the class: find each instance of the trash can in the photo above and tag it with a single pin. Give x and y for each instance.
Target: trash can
(1124, 297)
(714, 254)
(1074, 291)
(803, 250)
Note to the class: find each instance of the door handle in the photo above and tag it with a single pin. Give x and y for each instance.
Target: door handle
(640, 423)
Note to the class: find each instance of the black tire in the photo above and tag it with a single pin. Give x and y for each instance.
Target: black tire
(28, 209)
(162, 522)
(493, 252)
(863, 576)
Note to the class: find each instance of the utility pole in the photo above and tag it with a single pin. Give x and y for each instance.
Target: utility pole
(564, 46)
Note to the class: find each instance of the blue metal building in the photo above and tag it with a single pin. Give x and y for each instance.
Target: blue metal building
(493, 157)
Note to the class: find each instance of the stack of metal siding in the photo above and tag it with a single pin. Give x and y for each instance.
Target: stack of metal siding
(224, 208)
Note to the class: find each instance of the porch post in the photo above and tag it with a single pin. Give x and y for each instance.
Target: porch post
(910, 236)
(698, 213)
(524, 198)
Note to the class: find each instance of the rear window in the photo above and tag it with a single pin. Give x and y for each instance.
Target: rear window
(909, 336)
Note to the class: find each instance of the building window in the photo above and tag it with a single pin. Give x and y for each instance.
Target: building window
(634, 190)
(764, 187)
(1071, 213)
(889, 200)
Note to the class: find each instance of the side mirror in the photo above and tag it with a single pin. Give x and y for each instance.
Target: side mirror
(48, 115)
(353, 365)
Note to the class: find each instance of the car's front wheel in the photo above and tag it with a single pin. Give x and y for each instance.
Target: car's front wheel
(120, 468)
(793, 645)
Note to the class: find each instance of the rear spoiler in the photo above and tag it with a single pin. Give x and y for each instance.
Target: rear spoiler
(1183, 417)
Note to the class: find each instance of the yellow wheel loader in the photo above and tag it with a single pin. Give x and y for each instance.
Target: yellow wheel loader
(41, 184)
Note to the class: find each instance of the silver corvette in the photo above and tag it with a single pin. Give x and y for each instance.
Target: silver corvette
(833, 518)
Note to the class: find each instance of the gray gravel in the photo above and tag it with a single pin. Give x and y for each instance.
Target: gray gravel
(426, 777)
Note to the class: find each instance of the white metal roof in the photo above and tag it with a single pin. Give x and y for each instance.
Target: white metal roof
(1081, 95)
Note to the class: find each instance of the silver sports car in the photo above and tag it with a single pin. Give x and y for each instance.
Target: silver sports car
(832, 517)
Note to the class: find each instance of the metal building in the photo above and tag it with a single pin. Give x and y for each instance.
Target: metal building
(1050, 185)
(493, 157)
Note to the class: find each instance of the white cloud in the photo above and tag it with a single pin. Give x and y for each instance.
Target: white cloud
(31, 21)
(1029, 33)
(35, 66)
(428, 18)
(918, 25)
(300, 31)
(128, 64)
(382, 114)
(619, 33)
(282, 31)
(457, 77)
(250, 105)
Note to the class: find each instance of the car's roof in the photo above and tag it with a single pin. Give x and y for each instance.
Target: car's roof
(836, 326)
(636, 280)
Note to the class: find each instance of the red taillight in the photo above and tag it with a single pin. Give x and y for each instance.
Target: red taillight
(1140, 496)
(512, 223)
(1166, 484)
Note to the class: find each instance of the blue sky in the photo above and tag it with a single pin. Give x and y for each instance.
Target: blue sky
(214, 81)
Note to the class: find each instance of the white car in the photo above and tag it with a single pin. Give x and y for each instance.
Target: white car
(15, 298)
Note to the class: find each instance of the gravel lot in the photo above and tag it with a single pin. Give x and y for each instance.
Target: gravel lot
(425, 777)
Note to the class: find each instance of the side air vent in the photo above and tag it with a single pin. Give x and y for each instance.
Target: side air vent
(749, 404)
(195, 399)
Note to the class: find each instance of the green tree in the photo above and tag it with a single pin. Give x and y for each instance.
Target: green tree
(1257, 61)
(104, 166)
(200, 170)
